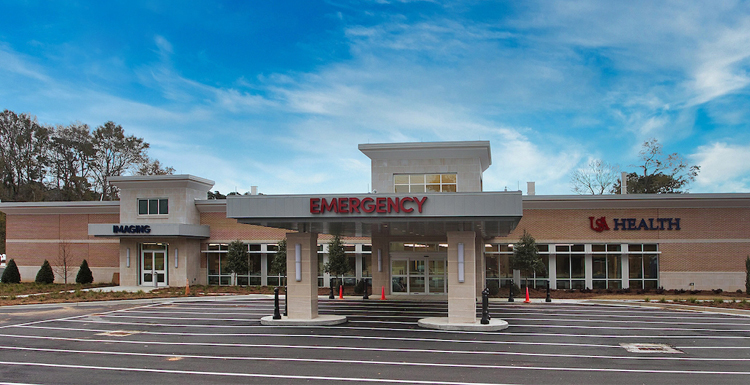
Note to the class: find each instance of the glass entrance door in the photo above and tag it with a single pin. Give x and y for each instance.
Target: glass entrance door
(418, 275)
(153, 265)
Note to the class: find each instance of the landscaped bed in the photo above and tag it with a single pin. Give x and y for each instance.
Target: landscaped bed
(30, 293)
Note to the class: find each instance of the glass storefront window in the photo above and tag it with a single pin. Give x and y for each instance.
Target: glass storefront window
(366, 263)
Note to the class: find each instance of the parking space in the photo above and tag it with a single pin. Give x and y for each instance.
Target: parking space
(222, 341)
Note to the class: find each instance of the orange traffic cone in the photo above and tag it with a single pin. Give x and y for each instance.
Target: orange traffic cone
(382, 294)
(527, 296)
(341, 292)
(187, 287)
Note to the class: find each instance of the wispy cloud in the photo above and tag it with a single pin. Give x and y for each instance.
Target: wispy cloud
(550, 84)
(724, 167)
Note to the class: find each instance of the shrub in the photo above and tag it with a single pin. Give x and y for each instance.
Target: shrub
(45, 274)
(660, 290)
(647, 299)
(84, 275)
(662, 300)
(516, 289)
(718, 301)
(494, 288)
(11, 274)
(359, 288)
(692, 300)
(717, 291)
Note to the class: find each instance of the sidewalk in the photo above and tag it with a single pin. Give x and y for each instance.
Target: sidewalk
(129, 289)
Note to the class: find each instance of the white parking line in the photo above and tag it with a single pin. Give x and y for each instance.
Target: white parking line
(257, 375)
(390, 350)
(420, 330)
(362, 362)
(346, 337)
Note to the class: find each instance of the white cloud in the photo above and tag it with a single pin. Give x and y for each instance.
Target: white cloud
(724, 167)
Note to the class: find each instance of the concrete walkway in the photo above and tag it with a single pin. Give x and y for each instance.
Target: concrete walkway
(129, 289)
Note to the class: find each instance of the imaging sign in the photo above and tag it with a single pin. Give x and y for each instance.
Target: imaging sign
(634, 224)
(132, 229)
(152, 230)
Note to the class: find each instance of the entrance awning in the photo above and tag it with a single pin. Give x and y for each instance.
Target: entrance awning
(142, 230)
(492, 214)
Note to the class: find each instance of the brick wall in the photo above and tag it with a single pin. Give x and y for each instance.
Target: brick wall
(716, 239)
(33, 238)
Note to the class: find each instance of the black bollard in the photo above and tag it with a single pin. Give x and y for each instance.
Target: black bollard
(485, 306)
(549, 298)
(365, 296)
(510, 293)
(331, 296)
(276, 314)
(286, 301)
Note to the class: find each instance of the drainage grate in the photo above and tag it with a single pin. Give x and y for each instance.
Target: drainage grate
(118, 333)
(650, 348)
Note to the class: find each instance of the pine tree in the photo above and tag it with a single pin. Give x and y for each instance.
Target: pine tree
(11, 274)
(84, 275)
(338, 263)
(278, 263)
(45, 274)
(526, 256)
(238, 259)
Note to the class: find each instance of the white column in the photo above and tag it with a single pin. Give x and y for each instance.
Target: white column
(264, 268)
(588, 266)
(625, 266)
(552, 272)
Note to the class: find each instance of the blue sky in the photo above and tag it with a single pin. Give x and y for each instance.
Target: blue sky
(279, 93)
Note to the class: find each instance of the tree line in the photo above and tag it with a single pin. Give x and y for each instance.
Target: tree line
(657, 174)
(40, 162)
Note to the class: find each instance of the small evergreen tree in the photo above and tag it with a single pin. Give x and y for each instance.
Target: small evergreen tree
(337, 264)
(11, 274)
(526, 256)
(237, 259)
(45, 274)
(84, 275)
(747, 274)
(278, 263)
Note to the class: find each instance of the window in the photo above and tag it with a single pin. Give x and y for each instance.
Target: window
(419, 183)
(159, 206)
(218, 274)
(606, 266)
(570, 267)
(643, 264)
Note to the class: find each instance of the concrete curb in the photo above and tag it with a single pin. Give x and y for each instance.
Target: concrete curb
(321, 320)
(441, 323)
(671, 306)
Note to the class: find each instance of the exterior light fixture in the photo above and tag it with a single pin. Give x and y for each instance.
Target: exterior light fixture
(175, 258)
(298, 262)
(380, 261)
(127, 257)
(461, 263)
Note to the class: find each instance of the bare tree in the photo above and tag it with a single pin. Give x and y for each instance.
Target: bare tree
(597, 179)
(661, 175)
(64, 264)
(153, 167)
(115, 154)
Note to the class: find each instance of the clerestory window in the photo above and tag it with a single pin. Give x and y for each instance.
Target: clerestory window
(418, 183)
(159, 206)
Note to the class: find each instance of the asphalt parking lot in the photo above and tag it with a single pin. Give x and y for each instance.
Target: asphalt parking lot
(195, 341)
